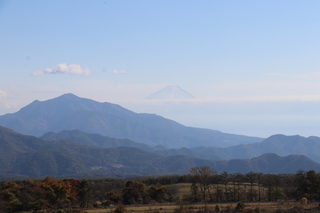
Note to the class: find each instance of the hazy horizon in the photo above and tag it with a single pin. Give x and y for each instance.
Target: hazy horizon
(253, 66)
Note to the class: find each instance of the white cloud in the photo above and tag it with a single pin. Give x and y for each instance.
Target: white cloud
(37, 73)
(119, 72)
(74, 69)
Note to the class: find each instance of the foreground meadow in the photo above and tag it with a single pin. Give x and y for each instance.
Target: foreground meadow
(201, 191)
(272, 207)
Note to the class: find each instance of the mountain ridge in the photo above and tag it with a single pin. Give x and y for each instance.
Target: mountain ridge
(95, 140)
(69, 112)
(40, 158)
(279, 144)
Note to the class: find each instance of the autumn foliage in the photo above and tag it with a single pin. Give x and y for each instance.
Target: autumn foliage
(205, 185)
(36, 195)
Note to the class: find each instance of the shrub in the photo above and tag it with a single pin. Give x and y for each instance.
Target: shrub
(120, 209)
(217, 208)
(304, 201)
(240, 206)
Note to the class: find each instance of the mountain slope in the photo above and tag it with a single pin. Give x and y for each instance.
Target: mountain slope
(29, 156)
(69, 112)
(95, 140)
(33, 157)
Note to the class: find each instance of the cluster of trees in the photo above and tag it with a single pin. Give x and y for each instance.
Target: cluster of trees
(34, 195)
(46, 194)
(206, 185)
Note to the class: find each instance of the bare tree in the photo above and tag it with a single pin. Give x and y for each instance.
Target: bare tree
(225, 180)
(251, 178)
(202, 177)
(259, 179)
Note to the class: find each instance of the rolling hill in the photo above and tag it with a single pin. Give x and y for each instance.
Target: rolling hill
(279, 144)
(27, 156)
(69, 112)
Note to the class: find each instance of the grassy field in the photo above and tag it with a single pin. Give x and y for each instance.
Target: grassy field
(182, 189)
(225, 207)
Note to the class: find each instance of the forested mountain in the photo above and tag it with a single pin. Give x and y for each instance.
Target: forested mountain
(31, 156)
(28, 156)
(279, 144)
(95, 140)
(69, 112)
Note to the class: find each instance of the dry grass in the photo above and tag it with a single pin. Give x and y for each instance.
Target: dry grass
(180, 189)
(273, 207)
(184, 188)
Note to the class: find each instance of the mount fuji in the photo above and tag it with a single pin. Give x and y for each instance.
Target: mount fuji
(170, 92)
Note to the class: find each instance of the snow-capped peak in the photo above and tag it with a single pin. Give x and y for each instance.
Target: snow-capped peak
(170, 92)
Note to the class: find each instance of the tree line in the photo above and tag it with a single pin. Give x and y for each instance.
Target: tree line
(206, 185)
(74, 195)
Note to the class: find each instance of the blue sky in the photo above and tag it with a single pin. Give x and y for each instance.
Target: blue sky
(253, 65)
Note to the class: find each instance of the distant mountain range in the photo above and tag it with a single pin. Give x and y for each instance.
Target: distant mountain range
(69, 112)
(27, 156)
(279, 144)
(171, 92)
(82, 137)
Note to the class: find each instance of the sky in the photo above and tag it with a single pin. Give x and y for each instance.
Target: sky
(253, 66)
